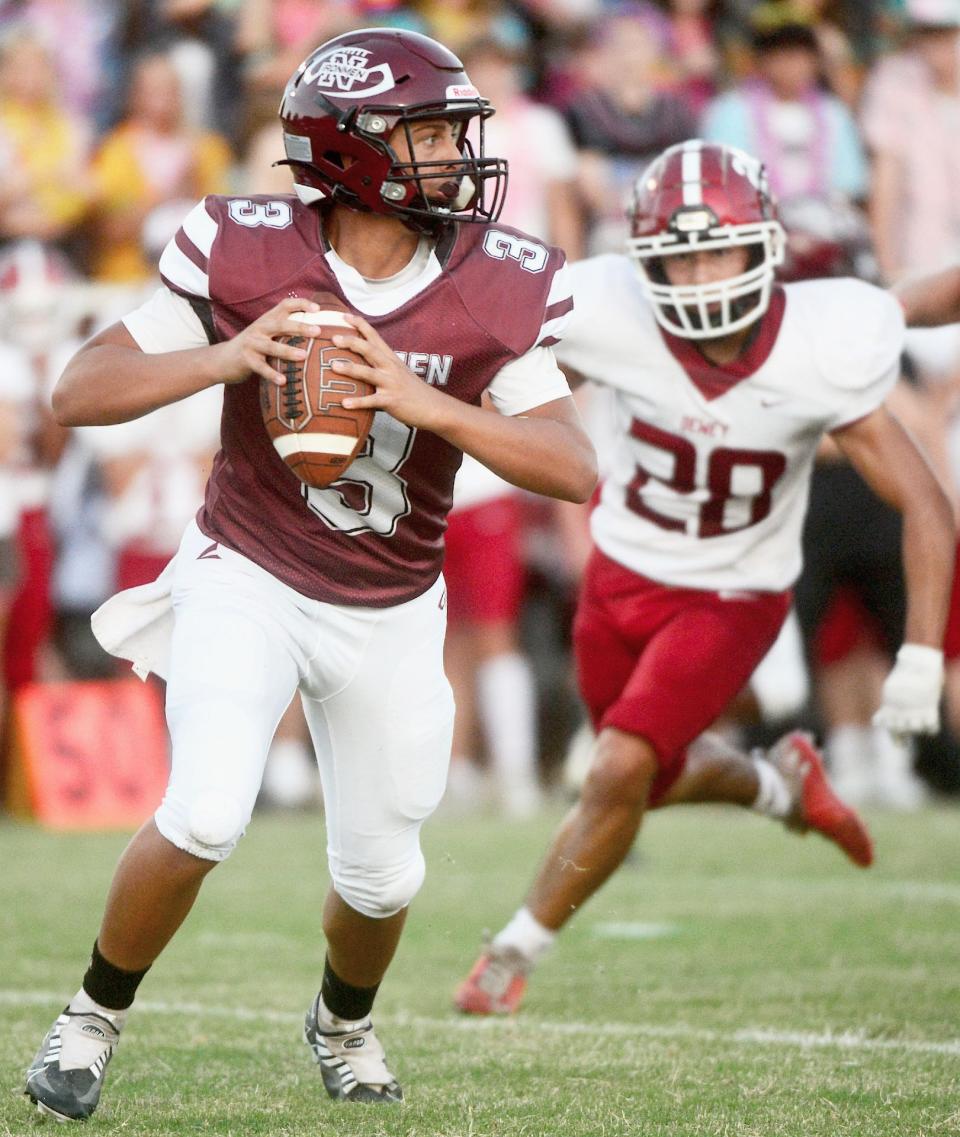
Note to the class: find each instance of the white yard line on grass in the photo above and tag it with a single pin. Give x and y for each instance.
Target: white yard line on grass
(748, 1036)
(916, 891)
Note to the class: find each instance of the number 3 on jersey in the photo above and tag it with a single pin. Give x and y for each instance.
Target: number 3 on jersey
(720, 476)
(371, 497)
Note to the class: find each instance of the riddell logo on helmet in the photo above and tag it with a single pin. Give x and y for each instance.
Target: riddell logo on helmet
(346, 72)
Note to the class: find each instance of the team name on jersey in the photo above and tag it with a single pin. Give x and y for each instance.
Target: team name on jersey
(690, 424)
(434, 368)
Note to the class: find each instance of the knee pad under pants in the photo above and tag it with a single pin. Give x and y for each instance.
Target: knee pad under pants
(379, 891)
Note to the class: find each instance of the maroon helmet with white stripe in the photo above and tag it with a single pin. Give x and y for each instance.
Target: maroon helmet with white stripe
(344, 102)
(701, 195)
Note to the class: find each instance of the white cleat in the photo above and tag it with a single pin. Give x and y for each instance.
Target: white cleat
(352, 1063)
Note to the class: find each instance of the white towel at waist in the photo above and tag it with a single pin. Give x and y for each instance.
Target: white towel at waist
(137, 624)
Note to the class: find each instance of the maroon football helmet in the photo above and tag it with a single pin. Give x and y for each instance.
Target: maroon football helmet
(699, 195)
(341, 107)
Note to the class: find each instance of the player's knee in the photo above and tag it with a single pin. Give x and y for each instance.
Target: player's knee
(623, 769)
(209, 827)
(381, 891)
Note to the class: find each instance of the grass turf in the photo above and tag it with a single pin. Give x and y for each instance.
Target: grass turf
(731, 979)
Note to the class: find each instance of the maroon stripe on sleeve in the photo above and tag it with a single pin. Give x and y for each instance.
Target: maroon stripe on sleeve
(190, 250)
(559, 309)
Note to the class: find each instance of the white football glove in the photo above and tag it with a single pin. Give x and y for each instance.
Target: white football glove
(911, 692)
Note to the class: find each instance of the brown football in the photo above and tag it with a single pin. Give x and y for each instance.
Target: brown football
(311, 430)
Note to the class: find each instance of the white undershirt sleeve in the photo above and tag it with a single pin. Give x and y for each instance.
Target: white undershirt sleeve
(527, 382)
(165, 322)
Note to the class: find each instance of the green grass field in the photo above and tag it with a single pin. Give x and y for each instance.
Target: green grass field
(732, 980)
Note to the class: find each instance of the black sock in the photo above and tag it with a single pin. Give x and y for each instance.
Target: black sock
(343, 999)
(110, 986)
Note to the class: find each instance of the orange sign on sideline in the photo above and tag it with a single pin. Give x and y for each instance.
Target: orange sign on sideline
(88, 755)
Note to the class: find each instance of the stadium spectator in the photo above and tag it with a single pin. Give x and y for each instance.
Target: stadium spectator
(911, 120)
(274, 35)
(16, 393)
(44, 185)
(80, 35)
(725, 387)
(258, 172)
(277, 588)
(493, 685)
(807, 138)
(148, 172)
(199, 36)
(840, 69)
(623, 117)
(458, 22)
(693, 44)
(535, 141)
(36, 323)
(491, 677)
(153, 470)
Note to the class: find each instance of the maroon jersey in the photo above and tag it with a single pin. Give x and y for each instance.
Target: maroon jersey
(375, 537)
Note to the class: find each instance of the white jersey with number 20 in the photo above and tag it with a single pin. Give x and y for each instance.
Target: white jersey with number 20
(708, 481)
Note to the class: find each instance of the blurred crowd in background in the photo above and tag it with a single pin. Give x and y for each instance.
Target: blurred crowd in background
(116, 116)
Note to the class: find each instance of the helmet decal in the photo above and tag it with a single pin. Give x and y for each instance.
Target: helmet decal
(347, 72)
(751, 168)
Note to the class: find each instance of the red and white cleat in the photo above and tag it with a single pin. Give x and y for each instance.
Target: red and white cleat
(815, 805)
(496, 984)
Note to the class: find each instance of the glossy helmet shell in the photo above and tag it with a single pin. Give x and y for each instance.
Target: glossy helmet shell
(700, 195)
(344, 102)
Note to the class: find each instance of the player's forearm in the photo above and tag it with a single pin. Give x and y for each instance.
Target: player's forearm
(929, 550)
(544, 455)
(108, 383)
(899, 473)
(932, 300)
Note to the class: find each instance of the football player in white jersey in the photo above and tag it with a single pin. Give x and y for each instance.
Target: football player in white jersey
(724, 384)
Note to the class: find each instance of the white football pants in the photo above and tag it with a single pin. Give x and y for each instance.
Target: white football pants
(377, 701)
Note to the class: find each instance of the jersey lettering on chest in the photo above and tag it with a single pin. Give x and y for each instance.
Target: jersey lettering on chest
(710, 428)
(434, 368)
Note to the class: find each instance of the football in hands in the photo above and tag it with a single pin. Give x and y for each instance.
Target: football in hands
(311, 430)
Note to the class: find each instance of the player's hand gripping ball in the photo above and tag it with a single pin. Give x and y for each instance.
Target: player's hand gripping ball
(311, 430)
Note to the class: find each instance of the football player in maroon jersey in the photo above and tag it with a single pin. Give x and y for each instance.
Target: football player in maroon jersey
(724, 383)
(337, 591)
